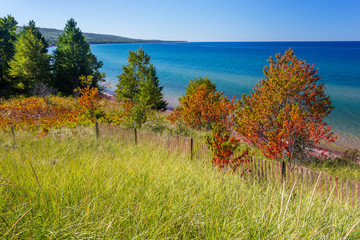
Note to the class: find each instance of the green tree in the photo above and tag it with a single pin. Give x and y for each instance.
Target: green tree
(7, 40)
(30, 63)
(36, 31)
(73, 59)
(138, 83)
(197, 82)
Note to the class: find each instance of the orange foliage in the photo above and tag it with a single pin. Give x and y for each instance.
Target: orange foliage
(285, 111)
(36, 115)
(203, 108)
(223, 147)
(89, 97)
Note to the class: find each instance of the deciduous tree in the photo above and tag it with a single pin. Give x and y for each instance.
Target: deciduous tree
(202, 105)
(286, 109)
(223, 147)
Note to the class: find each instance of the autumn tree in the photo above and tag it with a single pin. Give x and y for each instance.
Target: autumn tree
(89, 98)
(8, 27)
(30, 63)
(224, 146)
(202, 105)
(73, 59)
(286, 109)
(139, 83)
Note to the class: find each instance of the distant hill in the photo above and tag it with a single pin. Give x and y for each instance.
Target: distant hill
(52, 34)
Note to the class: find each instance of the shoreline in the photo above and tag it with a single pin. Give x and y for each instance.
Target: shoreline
(333, 150)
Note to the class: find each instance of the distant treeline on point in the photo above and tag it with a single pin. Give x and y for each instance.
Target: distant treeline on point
(52, 34)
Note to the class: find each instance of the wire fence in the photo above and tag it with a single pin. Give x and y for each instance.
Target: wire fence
(256, 169)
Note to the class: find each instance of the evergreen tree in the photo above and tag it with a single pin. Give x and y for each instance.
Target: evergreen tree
(36, 31)
(30, 63)
(73, 59)
(7, 40)
(138, 83)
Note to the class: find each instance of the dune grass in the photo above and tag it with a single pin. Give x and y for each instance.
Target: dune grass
(68, 185)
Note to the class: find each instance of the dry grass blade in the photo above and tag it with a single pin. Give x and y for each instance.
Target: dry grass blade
(353, 227)
(313, 193)
(327, 201)
(17, 222)
(287, 204)
(36, 177)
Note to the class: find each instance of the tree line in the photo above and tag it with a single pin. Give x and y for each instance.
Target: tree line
(26, 67)
(285, 112)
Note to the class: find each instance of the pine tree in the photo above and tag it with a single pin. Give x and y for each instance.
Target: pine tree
(73, 59)
(7, 50)
(30, 63)
(138, 83)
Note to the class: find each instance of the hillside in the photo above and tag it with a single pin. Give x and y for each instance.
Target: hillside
(69, 185)
(52, 34)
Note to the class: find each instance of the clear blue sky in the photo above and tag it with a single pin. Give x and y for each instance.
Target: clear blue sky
(198, 20)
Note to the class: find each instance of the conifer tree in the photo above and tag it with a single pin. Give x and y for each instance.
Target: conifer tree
(30, 63)
(138, 83)
(73, 59)
(7, 40)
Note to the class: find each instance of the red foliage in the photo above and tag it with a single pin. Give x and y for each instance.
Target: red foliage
(286, 110)
(224, 146)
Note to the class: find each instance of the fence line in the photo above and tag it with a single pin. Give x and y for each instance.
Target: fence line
(256, 169)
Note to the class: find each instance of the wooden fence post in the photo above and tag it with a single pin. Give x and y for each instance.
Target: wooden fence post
(266, 170)
(13, 132)
(96, 128)
(283, 167)
(358, 188)
(336, 186)
(342, 189)
(269, 170)
(191, 145)
(347, 189)
(353, 192)
(135, 133)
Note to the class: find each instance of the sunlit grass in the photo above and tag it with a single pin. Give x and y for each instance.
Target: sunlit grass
(70, 185)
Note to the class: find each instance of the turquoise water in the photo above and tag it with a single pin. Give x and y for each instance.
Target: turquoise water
(237, 67)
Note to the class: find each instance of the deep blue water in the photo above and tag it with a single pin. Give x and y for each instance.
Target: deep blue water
(236, 67)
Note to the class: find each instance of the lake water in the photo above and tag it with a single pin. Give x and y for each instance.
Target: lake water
(236, 67)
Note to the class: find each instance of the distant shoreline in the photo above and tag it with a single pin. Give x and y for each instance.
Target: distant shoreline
(333, 150)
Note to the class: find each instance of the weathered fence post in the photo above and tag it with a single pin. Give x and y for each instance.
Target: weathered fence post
(191, 145)
(353, 193)
(96, 128)
(13, 132)
(347, 189)
(135, 133)
(283, 167)
(358, 188)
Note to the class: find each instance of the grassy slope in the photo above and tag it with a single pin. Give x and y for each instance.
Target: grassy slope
(110, 188)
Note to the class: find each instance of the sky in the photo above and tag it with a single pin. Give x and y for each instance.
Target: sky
(198, 20)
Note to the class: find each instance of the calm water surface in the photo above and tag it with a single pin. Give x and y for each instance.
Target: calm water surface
(237, 67)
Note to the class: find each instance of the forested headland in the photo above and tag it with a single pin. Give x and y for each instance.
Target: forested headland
(52, 34)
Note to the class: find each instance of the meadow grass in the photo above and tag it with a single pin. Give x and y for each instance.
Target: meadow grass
(69, 185)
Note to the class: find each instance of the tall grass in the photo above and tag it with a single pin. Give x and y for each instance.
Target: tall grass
(64, 186)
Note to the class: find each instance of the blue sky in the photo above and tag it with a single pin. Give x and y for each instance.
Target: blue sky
(199, 20)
